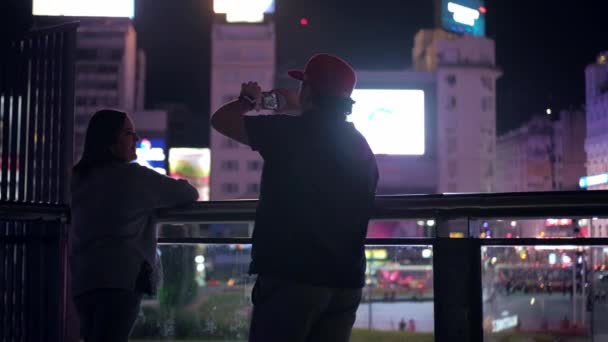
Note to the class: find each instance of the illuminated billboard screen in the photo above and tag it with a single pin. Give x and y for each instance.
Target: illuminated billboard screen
(249, 11)
(151, 153)
(392, 120)
(84, 8)
(464, 16)
(193, 165)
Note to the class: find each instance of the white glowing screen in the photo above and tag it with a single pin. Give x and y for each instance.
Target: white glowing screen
(85, 8)
(463, 14)
(248, 11)
(392, 120)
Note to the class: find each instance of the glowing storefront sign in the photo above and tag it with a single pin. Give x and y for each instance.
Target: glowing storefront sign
(463, 14)
(557, 222)
(587, 181)
(505, 323)
(84, 8)
(247, 11)
(193, 165)
(151, 153)
(376, 254)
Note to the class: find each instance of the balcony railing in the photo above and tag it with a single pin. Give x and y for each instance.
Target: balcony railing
(462, 267)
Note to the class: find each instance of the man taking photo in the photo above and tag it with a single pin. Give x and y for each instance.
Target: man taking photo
(316, 198)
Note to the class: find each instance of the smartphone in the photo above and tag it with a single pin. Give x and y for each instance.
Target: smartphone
(270, 100)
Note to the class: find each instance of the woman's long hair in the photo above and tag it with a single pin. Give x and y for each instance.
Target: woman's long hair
(102, 132)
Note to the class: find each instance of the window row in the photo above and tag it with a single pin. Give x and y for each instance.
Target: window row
(233, 188)
(233, 165)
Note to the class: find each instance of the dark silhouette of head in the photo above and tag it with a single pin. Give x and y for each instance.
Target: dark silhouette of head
(110, 138)
(327, 83)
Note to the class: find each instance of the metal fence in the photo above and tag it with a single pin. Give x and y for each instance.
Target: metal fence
(36, 129)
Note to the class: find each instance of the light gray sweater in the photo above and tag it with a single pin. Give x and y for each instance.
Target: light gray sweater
(113, 225)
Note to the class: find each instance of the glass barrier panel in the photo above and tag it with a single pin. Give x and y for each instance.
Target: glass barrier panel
(394, 228)
(205, 295)
(206, 230)
(552, 293)
(550, 227)
(402, 228)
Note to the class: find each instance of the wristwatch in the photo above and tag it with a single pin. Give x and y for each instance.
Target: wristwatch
(248, 100)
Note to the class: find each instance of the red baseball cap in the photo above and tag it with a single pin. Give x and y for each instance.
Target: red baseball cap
(328, 74)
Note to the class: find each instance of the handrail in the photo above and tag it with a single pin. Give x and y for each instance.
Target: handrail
(21, 211)
(62, 27)
(439, 206)
(444, 206)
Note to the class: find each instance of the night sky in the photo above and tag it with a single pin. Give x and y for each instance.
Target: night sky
(542, 46)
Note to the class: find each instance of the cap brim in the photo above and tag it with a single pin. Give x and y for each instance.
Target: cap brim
(297, 74)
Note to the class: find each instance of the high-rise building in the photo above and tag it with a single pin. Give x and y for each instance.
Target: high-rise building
(239, 52)
(110, 71)
(466, 74)
(596, 143)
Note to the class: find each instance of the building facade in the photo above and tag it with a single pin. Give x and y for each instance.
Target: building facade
(466, 73)
(240, 52)
(544, 154)
(110, 71)
(596, 142)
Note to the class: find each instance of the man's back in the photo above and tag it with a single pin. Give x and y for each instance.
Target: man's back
(317, 195)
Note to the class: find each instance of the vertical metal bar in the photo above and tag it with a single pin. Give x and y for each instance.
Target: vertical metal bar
(11, 283)
(32, 103)
(24, 286)
(457, 279)
(4, 118)
(48, 118)
(67, 112)
(19, 280)
(3, 275)
(34, 113)
(12, 145)
(21, 114)
(42, 137)
(11, 151)
(57, 95)
(40, 117)
(66, 135)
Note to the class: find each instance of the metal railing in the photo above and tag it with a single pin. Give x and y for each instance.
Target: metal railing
(457, 265)
(36, 129)
(36, 112)
(458, 307)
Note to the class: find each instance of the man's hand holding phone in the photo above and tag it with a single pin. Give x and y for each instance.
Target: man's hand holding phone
(283, 100)
(289, 100)
(252, 93)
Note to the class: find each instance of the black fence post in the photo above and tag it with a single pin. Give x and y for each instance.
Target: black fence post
(458, 289)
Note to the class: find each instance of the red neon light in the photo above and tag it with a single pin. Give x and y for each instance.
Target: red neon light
(482, 9)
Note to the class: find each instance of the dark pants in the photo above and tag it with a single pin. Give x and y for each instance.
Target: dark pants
(107, 314)
(288, 311)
